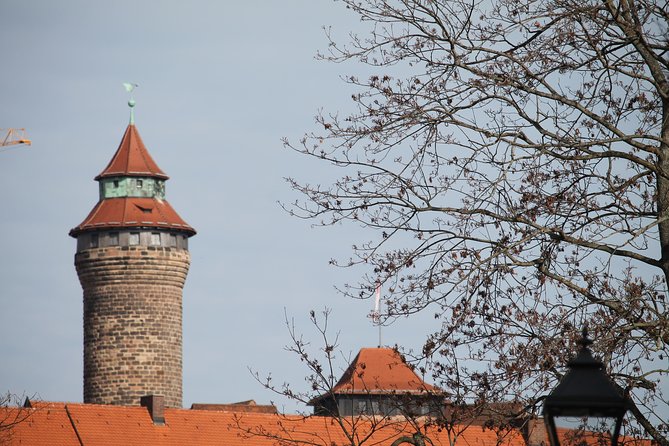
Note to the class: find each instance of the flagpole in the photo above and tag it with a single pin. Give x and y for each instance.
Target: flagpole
(377, 309)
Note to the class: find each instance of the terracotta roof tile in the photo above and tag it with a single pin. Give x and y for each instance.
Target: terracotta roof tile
(40, 425)
(132, 212)
(132, 159)
(380, 370)
(103, 425)
(109, 425)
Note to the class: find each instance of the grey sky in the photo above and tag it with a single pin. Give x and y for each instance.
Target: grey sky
(220, 84)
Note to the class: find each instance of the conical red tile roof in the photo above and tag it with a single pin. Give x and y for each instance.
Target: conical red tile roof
(380, 370)
(132, 159)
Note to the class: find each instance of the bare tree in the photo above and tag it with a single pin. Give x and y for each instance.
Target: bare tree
(320, 360)
(398, 420)
(13, 410)
(512, 160)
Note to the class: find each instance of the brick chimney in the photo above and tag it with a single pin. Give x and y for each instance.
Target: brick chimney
(156, 406)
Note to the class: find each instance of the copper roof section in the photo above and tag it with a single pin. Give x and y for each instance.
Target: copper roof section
(380, 370)
(132, 159)
(132, 212)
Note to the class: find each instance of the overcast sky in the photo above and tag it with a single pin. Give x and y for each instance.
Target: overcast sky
(220, 83)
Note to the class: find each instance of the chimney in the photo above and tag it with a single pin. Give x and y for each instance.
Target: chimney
(156, 406)
(535, 432)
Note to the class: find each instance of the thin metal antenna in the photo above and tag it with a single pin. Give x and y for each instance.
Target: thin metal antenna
(376, 315)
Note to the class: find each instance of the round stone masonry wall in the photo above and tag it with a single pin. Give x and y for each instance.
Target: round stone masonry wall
(132, 323)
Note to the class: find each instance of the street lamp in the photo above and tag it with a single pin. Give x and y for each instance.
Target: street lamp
(585, 393)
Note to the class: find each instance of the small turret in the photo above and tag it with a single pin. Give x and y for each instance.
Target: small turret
(380, 383)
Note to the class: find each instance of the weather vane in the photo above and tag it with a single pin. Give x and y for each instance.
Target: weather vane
(130, 87)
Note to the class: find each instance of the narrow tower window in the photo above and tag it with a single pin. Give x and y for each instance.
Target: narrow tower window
(140, 183)
(94, 241)
(133, 239)
(155, 238)
(113, 239)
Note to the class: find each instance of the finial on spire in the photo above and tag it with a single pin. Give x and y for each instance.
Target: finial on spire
(129, 87)
(584, 342)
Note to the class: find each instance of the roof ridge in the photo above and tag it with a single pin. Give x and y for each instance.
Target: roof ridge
(74, 426)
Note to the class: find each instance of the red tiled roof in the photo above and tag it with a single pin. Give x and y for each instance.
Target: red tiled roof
(132, 212)
(40, 425)
(67, 424)
(132, 159)
(380, 370)
(98, 425)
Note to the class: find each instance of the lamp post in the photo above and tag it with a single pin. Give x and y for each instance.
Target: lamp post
(583, 393)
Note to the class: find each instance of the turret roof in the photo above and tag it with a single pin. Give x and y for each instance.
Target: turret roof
(380, 370)
(132, 212)
(132, 159)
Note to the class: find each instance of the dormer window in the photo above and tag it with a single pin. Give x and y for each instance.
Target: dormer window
(144, 209)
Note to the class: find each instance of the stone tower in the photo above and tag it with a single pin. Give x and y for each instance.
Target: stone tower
(132, 260)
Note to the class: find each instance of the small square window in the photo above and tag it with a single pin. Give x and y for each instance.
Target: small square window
(140, 183)
(173, 240)
(94, 241)
(155, 238)
(133, 238)
(115, 183)
(113, 238)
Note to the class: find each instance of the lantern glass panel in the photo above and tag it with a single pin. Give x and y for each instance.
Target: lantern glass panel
(582, 431)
